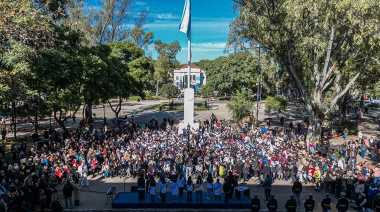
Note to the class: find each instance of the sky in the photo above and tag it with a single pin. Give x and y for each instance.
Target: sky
(210, 21)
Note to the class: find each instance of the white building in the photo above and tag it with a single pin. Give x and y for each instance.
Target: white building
(197, 77)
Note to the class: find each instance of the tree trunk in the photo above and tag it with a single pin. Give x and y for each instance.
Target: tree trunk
(88, 113)
(36, 124)
(116, 110)
(315, 127)
(59, 120)
(343, 111)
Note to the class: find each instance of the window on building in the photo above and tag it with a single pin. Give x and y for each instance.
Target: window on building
(177, 78)
(193, 77)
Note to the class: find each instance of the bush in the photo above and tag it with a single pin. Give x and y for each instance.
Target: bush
(228, 98)
(352, 128)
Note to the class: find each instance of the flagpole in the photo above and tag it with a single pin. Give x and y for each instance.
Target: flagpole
(189, 48)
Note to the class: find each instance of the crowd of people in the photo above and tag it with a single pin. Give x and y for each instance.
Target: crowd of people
(155, 151)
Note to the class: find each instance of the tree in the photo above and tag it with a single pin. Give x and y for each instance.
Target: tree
(206, 90)
(317, 43)
(234, 73)
(166, 60)
(240, 105)
(169, 90)
(275, 104)
(126, 79)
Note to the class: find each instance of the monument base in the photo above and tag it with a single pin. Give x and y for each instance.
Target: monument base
(182, 125)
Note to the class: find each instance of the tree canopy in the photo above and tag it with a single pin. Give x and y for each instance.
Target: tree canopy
(323, 45)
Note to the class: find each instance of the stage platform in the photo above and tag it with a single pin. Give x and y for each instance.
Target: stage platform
(130, 200)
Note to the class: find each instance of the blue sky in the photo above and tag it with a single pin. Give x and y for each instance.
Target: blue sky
(209, 25)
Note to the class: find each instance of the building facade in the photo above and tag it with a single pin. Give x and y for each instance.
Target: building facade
(197, 77)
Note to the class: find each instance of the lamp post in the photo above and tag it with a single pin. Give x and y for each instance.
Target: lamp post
(188, 136)
(258, 90)
(104, 114)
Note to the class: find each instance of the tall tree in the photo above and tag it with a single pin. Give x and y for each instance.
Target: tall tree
(317, 42)
(166, 61)
(233, 73)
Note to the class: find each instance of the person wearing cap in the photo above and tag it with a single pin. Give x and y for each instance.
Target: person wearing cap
(255, 203)
(291, 204)
(361, 203)
(376, 203)
(342, 204)
(297, 189)
(326, 201)
(309, 203)
(272, 204)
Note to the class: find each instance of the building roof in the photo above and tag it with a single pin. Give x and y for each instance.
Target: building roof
(185, 66)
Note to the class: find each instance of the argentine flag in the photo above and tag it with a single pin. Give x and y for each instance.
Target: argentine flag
(185, 21)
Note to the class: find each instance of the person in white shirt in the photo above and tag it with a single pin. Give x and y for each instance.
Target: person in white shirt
(217, 188)
(174, 186)
(82, 171)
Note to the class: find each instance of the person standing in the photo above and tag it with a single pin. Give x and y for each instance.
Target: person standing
(226, 189)
(309, 203)
(174, 186)
(68, 189)
(297, 189)
(198, 189)
(272, 204)
(326, 201)
(342, 204)
(189, 189)
(217, 187)
(376, 203)
(282, 121)
(255, 204)
(291, 204)
(162, 186)
(189, 167)
(361, 202)
(141, 188)
(76, 192)
(82, 171)
(181, 185)
(267, 187)
(360, 137)
(152, 189)
(209, 185)
(345, 133)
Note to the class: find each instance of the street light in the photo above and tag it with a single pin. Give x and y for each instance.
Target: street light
(104, 114)
(258, 91)
(188, 136)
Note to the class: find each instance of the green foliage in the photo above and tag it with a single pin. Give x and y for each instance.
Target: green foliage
(169, 90)
(240, 105)
(233, 73)
(206, 90)
(351, 126)
(276, 104)
(166, 61)
(324, 46)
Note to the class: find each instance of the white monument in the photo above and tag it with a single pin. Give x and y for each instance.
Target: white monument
(188, 104)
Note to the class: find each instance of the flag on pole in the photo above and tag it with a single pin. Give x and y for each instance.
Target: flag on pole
(185, 21)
